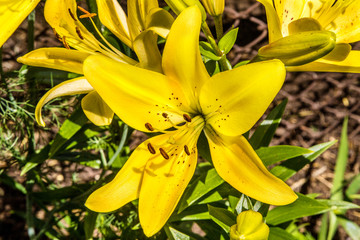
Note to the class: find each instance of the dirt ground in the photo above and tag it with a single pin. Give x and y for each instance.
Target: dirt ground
(318, 103)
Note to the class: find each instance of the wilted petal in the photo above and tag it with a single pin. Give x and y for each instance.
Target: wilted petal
(138, 96)
(232, 101)
(70, 87)
(96, 110)
(12, 13)
(237, 163)
(56, 58)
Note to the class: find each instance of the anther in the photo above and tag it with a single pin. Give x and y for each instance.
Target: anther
(151, 148)
(87, 14)
(186, 150)
(164, 154)
(65, 43)
(187, 117)
(72, 15)
(165, 115)
(57, 35)
(149, 127)
(79, 33)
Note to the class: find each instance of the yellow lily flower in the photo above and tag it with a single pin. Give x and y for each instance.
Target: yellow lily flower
(249, 226)
(139, 31)
(214, 7)
(287, 18)
(185, 98)
(13, 12)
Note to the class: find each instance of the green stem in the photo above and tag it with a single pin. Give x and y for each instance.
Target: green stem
(223, 61)
(31, 30)
(29, 201)
(121, 144)
(219, 27)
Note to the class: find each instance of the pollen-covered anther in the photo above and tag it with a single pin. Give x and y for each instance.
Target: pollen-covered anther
(72, 15)
(164, 154)
(187, 117)
(151, 148)
(79, 33)
(149, 127)
(186, 149)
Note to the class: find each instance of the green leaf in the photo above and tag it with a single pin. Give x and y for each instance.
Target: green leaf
(228, 40)
(280, 234)
(288, 168)
(341, 162)
(274, 154)
(337, 205)
(89, 224)
(265, 132)
(68, 129)
(192, 213)
(201, 186)
(35, 159)
(242, 63)
(207, 51)
(224, 218)
(351, 228)
(303, 206)
(332, 225)
(353, 188)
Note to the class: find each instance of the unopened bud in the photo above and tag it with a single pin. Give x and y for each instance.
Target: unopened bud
(300, 48)
(249, 225)
(214, 7)
(179, 5)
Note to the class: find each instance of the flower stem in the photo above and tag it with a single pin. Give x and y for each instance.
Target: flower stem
(223, 61)
(219, 27)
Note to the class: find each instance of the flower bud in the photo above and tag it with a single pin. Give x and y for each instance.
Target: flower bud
(249, 226)
(214, 7)
(300, 48)
(179, 5)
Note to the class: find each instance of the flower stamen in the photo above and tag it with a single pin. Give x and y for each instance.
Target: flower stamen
(187, 117)
(164, 154)
(186, 150)
(66, 45)
(151, 148)
(79, 33)
(149, 127)
(72, 15)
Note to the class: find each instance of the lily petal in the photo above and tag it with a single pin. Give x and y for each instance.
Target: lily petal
(159, 21)
(138, 96)
(124, 187)
(75, 86)
(273, 21)
(96, 110)
(114, 18)
(163, 185)
(56, 58)
(233, 101)
(181, 57)
(237, 163)
(146, 49)
(12, 13)
(350, 64)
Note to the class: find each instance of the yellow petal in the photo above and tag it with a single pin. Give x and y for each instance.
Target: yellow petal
(114, 18)
(159, 21)
(12, 13)
(214, 7)
(96, 110)
(146, 49)
(350, 65)
(56, 58)
(70, 87)
(234, 100)
(181, 57)
(138, 96)
(273, 21)
(137, 13)
(339, 53)
(124, 187)
(164, 183)
(237, 163)
(250, 226)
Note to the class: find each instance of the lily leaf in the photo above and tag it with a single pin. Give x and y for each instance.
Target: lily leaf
(224, 218)
(280, 234)
(228, 40)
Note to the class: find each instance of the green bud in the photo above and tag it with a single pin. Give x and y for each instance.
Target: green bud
(249, 225)
(179, 5)
(300, 48)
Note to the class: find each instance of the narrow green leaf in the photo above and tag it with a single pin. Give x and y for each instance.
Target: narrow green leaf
(350, 227)
(68, 129)
(207, 51)
(303, 206)
(201, 186)
(323, 227)
(288, 168)
(337, 206)
(192, 213)
(35, 159)
(332, 225)
(274, 154)
(353, 188)
(89, 224)
(224, 218)
(5, 179)
(280, 234)
(265, 132)
(228, 40)
(341, 162)
(241, 63)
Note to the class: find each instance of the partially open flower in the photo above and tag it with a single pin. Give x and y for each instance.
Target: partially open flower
(249, 226)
